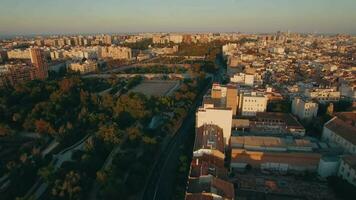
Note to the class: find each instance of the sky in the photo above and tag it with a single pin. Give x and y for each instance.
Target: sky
(120, 16)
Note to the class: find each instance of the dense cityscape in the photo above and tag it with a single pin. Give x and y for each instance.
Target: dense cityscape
(194, 115)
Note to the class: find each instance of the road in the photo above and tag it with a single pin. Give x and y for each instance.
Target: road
(40, 186)
(161, 182)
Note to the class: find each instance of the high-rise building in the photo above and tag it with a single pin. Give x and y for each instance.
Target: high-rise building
(39, 63)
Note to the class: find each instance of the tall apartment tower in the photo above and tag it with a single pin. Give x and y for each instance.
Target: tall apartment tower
(232, 98)
(39, 63)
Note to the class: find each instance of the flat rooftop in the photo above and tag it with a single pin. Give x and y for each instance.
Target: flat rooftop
(268, 143)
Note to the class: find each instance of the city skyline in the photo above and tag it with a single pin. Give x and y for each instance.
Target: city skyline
(256, 16)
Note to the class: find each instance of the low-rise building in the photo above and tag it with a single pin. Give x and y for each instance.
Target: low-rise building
(273, 154)
(341, 130)
(84, 67)
(243, 79)
(276, 124)
(209, 187)
(323, 95)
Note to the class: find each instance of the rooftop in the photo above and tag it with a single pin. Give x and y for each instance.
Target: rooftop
(350, 160)
(271, 143)
(210, 184)
(344, 125)
(282, 117)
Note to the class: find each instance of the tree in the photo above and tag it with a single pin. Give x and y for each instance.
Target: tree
(101, 176)
(47, 173)
(110, 134)
(133, 133)
(5, 130)
(43, 127)
(67, 84)
(69, 188)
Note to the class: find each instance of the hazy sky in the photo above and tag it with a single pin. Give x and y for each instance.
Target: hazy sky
(92, 16)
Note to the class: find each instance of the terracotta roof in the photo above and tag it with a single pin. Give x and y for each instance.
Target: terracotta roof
(208, 165)
(348, 117)
(223, 187)
(201, 196)
(210, 184)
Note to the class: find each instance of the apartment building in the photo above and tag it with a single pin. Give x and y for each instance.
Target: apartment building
(13, 74)
(221, 117)
(243, 79)
(304, 109)
(19, 54)
(39, 62)
(251, 103)
(83, 67)
(207, 177)
(115, 52)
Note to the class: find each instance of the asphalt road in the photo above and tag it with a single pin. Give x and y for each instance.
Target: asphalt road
(161, 182)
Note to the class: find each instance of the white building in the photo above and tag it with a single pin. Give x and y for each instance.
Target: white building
(347, 169)
(341, 130)
(251, 103)
(304, 109)
(221, 117)
(229, 49)
(243, 79)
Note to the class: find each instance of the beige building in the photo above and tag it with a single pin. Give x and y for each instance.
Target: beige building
(114, 52)
(251, 103)
(84, 67)
(19, 54)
